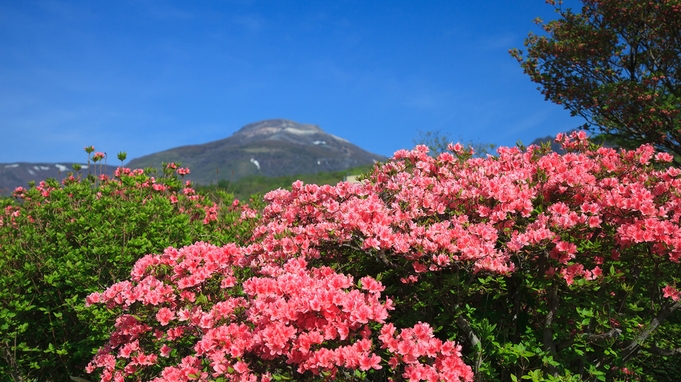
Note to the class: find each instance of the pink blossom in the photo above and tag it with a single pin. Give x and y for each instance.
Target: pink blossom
(457, 148)
(164, 316)
(98, 156)
(671, 292)
(664, 157)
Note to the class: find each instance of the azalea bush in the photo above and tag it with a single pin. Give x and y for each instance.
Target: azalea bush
(190, 312)
(59, 242)
(527, 265)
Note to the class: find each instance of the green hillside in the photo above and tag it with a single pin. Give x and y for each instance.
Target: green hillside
(251, 185)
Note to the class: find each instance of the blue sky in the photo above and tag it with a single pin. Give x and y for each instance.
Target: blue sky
(145, 76)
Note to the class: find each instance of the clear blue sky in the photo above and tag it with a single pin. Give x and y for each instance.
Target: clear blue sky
(145, 76)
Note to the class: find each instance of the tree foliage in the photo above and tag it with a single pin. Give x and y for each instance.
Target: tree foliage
(617, 64)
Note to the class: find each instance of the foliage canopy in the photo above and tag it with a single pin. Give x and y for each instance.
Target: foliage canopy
(617, 64)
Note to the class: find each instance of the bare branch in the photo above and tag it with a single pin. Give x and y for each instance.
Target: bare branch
(635, 345)
(473, 340)
(664, 352)
(549, 345)
(613, 333)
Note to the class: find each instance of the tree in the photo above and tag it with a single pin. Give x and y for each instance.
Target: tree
(617, 64)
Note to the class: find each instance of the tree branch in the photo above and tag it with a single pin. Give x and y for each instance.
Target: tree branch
(473, 340)
(612, 333)
(381, 256)
(635, 345)
(664, 352)
(547, 338)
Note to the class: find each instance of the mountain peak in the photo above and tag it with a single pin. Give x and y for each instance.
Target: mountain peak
(284, 130)
(272, 147)
(270, 128)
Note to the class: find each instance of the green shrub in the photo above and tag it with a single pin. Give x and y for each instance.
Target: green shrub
(61, 242)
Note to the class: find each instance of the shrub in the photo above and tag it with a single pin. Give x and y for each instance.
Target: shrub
(542, 266)
(61, 242)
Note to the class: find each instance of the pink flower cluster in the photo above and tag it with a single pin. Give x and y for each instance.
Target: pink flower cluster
(315, 319)
(96, 157)
(182, 171)
(417, 342)
(142, 181)
(671, 292)
(125, 180)
(484, 212)
(9, 215)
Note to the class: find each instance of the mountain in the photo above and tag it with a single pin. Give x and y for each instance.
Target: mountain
(13, 175)
(274, 147)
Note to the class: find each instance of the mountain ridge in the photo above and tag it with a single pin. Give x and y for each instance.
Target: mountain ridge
(19, 174)
(273, 147)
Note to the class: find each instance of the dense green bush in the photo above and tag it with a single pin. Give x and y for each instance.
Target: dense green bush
(61, 242)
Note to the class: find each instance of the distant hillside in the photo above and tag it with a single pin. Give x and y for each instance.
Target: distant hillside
(13, 175)
(251, 185)
(271, 148)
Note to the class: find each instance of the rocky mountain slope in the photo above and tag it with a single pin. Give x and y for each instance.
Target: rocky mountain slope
(274, 147)
(13, 175)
